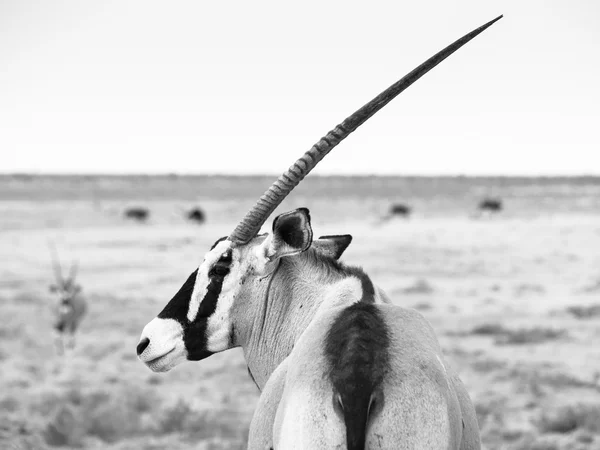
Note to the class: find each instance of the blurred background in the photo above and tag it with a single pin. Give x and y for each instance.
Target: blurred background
(135, 134)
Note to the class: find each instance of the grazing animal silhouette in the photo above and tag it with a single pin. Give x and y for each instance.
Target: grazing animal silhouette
(400, 210)
(137, 213)
(196, 215)
(69, 307)
(338, 366)
(490, 206)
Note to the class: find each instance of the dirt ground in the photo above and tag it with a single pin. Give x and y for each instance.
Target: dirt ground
(515, 302)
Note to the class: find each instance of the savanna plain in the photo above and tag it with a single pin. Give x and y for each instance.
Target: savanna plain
(514, 299)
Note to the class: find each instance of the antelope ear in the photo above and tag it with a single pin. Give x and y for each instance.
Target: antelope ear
(292, 234)
(332, 246)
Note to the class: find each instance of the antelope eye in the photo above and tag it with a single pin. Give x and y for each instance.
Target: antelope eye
(220, 271)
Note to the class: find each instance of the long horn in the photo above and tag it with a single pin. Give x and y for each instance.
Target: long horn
(73, 272)
(56, 263)
(256, 217)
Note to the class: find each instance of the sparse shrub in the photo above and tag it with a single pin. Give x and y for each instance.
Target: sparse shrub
(535, 335)
(109, 414)
(111, 421)
(585, 312)
(154, 380)
(24, 443)
(9, 404)
(489, 329)
(506, 336)
(223, 424)
(24, 297)
(112, 416)
(591, 288)
(175, 418)
(65, 428)
(422, 306)
(487, 365)
(490, 411)
(538, 443)
(565, 419)
(585, 437)
(529, 288)
(419, 287)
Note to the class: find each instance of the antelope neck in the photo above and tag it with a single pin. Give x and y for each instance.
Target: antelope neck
(287, 304)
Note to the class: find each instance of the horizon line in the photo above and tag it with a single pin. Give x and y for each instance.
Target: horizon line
(275, 175)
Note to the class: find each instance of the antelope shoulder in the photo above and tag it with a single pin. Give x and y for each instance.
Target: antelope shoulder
(296, 407)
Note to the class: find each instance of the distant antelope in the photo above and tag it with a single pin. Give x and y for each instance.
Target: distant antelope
(137, 213)
(70, 306)
(196, 215)
(397, 210)
(400, 209)
(490, 206)
(338, 366)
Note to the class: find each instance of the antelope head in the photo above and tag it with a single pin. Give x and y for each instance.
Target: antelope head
(63, 288)
(198, 321)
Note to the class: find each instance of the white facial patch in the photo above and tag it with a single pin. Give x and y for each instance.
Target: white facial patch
(260, 257)
(202, 279)
(166, 348)
(218, 331)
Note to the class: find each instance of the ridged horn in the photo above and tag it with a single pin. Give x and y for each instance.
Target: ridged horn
(73, 272)
(56, 264)
(257, 216)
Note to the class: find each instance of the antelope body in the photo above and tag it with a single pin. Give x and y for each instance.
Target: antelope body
(69, 307)
(196, 215)
(400, 209)
(338, 365)
(137, 213)
(490, 205)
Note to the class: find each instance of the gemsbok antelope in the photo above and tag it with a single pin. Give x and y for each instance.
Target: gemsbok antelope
(490, 206)
(138, 213)
(338, 365)
(69, 307)
(397, 210)
(196, 214)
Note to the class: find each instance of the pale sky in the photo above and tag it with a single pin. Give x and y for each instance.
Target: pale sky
(119, 86)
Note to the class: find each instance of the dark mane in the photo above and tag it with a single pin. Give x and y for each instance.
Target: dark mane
(356, 349)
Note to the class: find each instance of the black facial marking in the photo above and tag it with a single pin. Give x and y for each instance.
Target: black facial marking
(194, 336)
(177, 308)
(209, 302)
(194, 333)
(194, 339)
(216, 274)
(356, 349)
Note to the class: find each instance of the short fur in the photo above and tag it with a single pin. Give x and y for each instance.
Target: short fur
(338, 366)
(332, 246)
